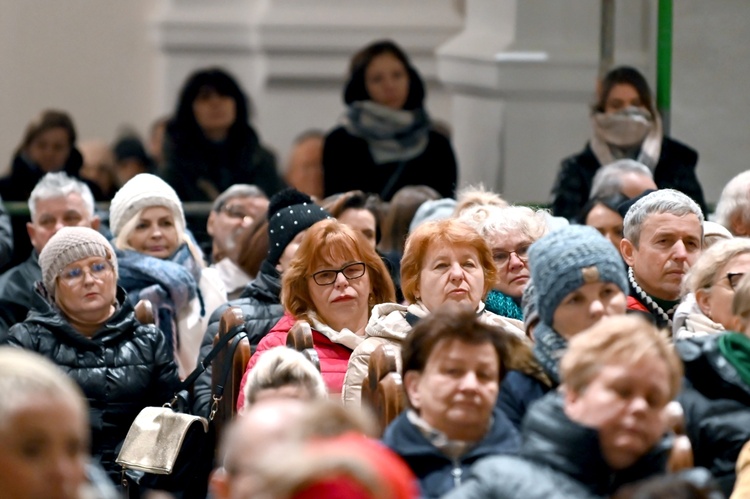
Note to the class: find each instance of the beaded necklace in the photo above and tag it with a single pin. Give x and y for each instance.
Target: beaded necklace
(650, 303)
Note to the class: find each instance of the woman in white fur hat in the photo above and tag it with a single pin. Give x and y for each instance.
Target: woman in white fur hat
(160, 262)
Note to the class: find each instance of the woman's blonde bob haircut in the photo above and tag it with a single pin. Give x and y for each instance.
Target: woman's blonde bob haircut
(325, 242)
(623, 339)
(283, 366)
(705, 271)
(26, 375)
(449, 232)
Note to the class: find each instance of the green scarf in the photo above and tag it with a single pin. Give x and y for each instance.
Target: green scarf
(735, 347)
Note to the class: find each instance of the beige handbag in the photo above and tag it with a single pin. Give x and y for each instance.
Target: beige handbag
(156, 438)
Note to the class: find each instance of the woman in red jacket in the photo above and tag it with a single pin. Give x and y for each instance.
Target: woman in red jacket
(333, 281)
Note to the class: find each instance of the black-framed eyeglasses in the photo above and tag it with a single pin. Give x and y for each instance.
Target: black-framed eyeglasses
(734, 279)
(350, 271)
(502, 257)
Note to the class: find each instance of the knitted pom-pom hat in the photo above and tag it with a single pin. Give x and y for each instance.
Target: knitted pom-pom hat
(143, 191)
(69, 245)
(566, 259)
(289, 213)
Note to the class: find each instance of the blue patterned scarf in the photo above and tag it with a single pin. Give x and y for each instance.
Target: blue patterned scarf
(549, 347)
(503, 305)
(169, 284)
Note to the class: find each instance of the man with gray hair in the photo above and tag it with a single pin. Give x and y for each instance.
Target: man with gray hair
(234, 210)
(625, 176)
(57, 201)
(733, 208)
(663, 237)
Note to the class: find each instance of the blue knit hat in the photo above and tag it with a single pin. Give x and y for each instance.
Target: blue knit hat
(566, 259)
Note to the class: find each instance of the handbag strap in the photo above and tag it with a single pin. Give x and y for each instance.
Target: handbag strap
(202, 365)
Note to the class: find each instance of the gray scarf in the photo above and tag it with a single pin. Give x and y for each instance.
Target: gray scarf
(392, 134)
(630, 133)
(549, 347)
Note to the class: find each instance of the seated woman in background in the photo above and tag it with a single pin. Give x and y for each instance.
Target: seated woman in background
(602, 214)
(625, 124)
(332, 282)
(445, 261)
(386, 140)
(160, 262)
(509, 233)
(84, 323)
(209, 144)
(283, 372)
(709, 288)
(48, 145)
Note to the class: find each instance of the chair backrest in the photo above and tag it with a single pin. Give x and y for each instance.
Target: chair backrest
(234, 359)
(300, 338)
(382, 388)
(144, 312)
(681, 456)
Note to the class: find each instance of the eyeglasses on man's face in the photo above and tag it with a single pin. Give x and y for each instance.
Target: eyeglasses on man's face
(350, 271)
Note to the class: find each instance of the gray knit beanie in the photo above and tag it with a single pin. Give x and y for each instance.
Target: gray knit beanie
(566, 259)
(432, 209)
(143, 191)
(69, 245)
(289, 213)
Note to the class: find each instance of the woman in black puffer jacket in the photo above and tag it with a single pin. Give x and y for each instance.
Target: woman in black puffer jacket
(82, 321)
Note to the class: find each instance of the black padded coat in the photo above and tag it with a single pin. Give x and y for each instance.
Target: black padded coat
(122, 368)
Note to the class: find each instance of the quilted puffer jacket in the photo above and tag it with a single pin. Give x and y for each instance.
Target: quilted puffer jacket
(122, 368)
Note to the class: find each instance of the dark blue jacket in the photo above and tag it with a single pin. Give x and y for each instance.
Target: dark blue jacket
(436, 472)
(517, 392)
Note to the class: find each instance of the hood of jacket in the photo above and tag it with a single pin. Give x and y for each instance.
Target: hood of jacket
(266, 286)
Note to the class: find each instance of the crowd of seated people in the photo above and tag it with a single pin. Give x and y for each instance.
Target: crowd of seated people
(403, 338)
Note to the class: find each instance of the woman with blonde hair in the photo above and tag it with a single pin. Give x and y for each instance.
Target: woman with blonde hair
(160, 262)
(709, 288)
(284, 373)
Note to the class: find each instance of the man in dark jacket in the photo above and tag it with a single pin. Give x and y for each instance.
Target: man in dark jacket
(452, 364)
(290, 214)
(603, 429)
(57, 201)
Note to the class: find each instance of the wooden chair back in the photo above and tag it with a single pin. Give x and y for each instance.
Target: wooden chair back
(238, 358)
(300, 338)
(144, 312)
(681, 457)
(382, 388)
